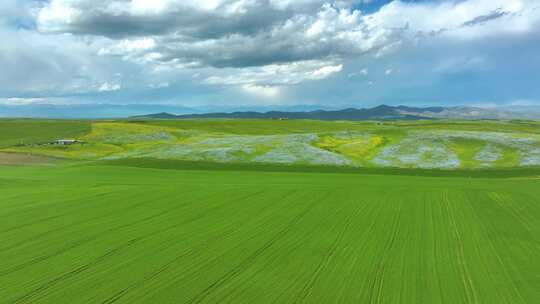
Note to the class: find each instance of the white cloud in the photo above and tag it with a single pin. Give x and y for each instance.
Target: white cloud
(362, 72)
(129, 47)
(109, 87)
(16, 101)
(325, 71)
(160, 85)
(262, 90)
(464, 20)
(277, 74)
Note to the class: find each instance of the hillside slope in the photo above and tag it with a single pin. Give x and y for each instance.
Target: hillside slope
(405, 144)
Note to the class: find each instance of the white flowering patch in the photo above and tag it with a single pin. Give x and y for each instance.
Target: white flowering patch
(532, 158)
(417, 152)
(527, 146)
(129, 138)
(488, 155)
(303, 153)
(431, 149)
(285, 149)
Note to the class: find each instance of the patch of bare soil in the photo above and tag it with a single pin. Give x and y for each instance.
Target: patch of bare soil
(7, 159)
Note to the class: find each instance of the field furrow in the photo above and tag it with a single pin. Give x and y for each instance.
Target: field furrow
(114, 234)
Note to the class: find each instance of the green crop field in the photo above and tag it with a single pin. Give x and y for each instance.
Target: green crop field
(114, 233)
(20, 132)
(260, 211)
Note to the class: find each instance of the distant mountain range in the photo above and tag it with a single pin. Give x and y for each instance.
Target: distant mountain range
(382, 112)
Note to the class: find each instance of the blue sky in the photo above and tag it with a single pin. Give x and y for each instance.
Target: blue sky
(260, 54)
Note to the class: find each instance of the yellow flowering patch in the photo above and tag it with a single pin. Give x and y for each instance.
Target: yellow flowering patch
(360, 149)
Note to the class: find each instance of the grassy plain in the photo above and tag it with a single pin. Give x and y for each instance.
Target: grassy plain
(124, 232)
(260, 211)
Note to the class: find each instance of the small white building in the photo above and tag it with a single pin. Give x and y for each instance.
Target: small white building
(65, 142)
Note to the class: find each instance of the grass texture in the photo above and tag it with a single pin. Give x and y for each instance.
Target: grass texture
(115, 233)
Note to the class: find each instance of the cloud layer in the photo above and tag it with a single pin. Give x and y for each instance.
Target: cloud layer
(269, 49)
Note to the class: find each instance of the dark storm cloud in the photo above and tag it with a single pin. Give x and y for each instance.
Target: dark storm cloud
(180, 21)
(124, 19)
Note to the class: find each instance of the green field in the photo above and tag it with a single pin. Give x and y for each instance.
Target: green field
(410, 144)
(114, 233)
(20, 132)
(261, 211)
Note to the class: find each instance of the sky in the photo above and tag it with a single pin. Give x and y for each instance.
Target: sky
(261, 54)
